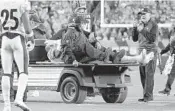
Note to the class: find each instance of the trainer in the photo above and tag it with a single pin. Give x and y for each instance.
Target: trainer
(145, 32)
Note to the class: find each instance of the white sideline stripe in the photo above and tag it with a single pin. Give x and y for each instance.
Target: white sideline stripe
(48, 70)
(46, 67)
(44, 71)
(46, 77)
(37, 84)
(54, 72)
(41, 76)
(15, 79)
(40, 80)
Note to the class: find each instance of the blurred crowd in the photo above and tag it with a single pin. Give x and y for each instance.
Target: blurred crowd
(50, 16)
(124, 12)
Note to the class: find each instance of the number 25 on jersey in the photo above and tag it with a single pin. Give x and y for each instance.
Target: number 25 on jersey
(9, 16)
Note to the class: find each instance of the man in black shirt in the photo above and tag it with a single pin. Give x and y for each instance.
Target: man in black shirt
(145, 32)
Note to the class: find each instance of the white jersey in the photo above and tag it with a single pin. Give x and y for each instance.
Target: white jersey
(10, 15)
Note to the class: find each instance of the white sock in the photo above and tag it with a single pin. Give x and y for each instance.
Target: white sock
(22, 83)
(6, 90)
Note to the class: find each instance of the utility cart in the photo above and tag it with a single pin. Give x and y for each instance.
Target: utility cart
(75, 83)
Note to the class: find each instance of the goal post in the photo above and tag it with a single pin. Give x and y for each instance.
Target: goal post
(105, 25)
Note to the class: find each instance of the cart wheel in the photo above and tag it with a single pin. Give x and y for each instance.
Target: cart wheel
(72, 92)
(122, 96)
(117, 96)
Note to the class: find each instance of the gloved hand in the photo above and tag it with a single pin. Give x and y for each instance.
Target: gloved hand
(30, 43)
(76, 63)
(140, 27)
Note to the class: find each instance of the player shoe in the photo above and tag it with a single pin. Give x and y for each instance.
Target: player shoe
(118, 56)
(21, 105)
(7, 108)
(165, 91)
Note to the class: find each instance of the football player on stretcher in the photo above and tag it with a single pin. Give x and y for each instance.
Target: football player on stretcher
(75, 47)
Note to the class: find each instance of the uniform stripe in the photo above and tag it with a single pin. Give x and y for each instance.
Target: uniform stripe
(26, 58)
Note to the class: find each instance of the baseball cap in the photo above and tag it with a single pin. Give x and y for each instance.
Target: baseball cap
(145, 10)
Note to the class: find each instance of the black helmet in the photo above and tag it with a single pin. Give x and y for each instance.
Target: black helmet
(74, 19)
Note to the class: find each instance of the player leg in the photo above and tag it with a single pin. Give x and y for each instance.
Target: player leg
(7, 60)
(13, 91)
(94, 53)
(142, 58)
(169, 82)
(21, 59)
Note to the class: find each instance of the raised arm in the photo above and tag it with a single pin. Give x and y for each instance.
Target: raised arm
(150, 31)
(26, 23)
(135, 34)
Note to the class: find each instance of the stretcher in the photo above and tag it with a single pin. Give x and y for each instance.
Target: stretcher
(75, 83)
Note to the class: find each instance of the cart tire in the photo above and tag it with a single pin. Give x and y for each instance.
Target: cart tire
(115, 97)
(122, 95)
(82, 95)
(72, 92)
